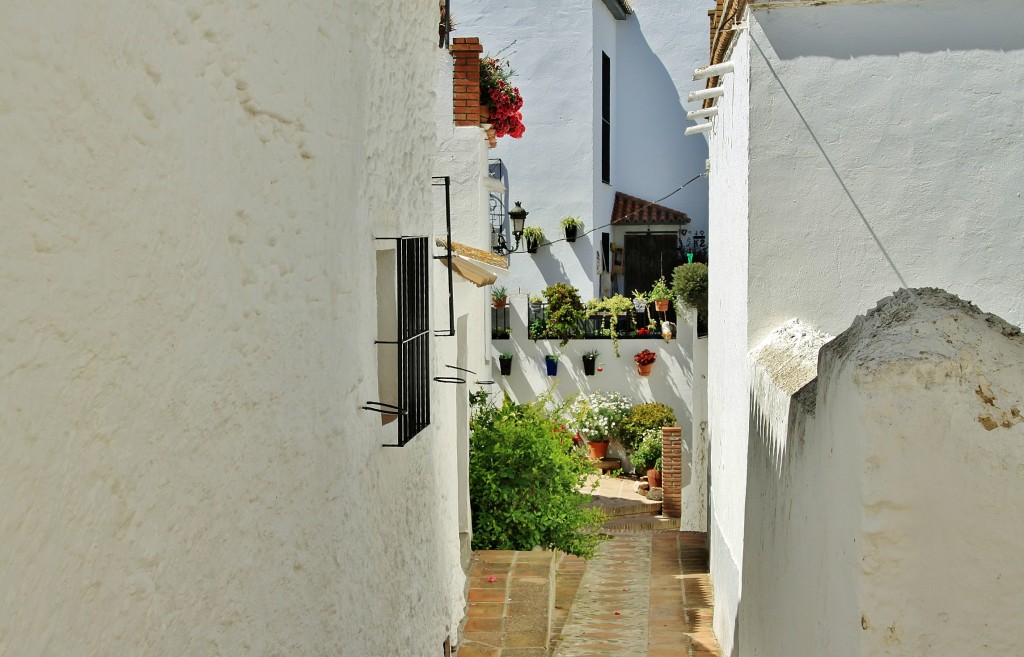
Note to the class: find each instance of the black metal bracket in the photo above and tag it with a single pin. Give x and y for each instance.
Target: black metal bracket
(446, 182)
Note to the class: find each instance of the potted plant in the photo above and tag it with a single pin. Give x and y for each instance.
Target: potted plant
(610, 309)
(647, 457)
(571, 226)
(660, 295)
(565, 313)
(551, 361)
(533, 236)
(536, 303)
(499, 297)
(590, 361)
(690, 284)
(505, 362)
(501, 333)
(639, 301)
(596, 418)
(645, 361)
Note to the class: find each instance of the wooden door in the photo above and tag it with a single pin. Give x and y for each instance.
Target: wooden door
(649, 256)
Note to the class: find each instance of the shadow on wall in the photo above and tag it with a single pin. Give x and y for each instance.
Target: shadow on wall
(863, 30)
(651, 157)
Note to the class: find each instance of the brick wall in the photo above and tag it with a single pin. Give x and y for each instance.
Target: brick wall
(672, 471)
(466, 85)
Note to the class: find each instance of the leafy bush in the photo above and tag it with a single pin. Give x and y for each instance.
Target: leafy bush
(565, 312)
(648, 452)
(525, 483)
(690, 284)
(643, 417)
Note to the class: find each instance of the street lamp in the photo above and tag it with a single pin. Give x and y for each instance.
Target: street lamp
(518, 216)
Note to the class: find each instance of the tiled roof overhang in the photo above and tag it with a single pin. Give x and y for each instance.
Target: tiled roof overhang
(630, 210)
(620, 8)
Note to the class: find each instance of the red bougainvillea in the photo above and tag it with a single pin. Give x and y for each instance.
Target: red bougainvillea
(501, 98)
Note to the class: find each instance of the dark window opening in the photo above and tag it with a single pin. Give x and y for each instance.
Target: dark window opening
(606, 118)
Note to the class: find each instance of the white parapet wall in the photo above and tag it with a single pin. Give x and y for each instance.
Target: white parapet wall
(891, 516)
(190, 196)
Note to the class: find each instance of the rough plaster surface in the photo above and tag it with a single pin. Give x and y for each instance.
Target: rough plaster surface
(671, 382)
(190, 192)
(783, 366)
(728, 367)
(848, 160)
(893, 518)
(555, 169)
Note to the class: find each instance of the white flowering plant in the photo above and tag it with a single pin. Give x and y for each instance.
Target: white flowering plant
(597, 417)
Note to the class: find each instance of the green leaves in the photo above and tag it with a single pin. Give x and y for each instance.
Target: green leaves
(525, 481)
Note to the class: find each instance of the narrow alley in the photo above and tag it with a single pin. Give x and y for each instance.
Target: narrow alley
(646, 593)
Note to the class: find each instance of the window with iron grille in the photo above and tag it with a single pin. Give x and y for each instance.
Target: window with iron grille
(413, 337)
(404, 338)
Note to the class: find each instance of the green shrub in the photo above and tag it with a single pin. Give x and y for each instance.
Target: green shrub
(648, 452)
(643, 417)
(690, 284)
(565, 313)
(525, 483)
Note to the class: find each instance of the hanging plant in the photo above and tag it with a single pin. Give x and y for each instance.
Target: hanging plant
(609, 309)
(502, 99)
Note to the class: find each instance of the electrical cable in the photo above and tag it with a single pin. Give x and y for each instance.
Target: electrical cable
(637, 211)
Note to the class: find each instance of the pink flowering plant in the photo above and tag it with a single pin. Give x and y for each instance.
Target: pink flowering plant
(501, 98)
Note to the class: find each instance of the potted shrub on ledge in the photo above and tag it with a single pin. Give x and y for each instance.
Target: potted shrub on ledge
(660, 295)
(499, 297)
(645, 361)
(571, 226)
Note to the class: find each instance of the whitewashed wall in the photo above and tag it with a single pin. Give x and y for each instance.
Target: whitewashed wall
(190, 193)
(876, 146)
(889, 513)
(671, 383)
(550, 167)
(462, 155)
(922, 127)
(728, 375)
(555, 169)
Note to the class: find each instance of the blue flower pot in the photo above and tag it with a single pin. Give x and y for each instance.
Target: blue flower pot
(552, 366)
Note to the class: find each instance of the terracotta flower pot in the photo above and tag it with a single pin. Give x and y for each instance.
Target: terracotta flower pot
(597, 450)
(654, 478)
(644, 370)
(500, 304)
(661, 305)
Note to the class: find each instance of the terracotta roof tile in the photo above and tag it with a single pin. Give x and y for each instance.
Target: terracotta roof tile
(630, 210)
(486, 257)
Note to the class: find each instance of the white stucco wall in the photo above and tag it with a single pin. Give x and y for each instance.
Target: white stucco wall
(190, 194)
(889, 514)
(728, 373)
(461, 155)
(916, 106)
(671, 382)
(555, 169)
(550, 167)
(884, 142)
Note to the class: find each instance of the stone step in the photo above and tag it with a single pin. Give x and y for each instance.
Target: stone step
(637, 524)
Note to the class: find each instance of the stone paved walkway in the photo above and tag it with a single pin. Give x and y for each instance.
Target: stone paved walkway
(646, 594)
